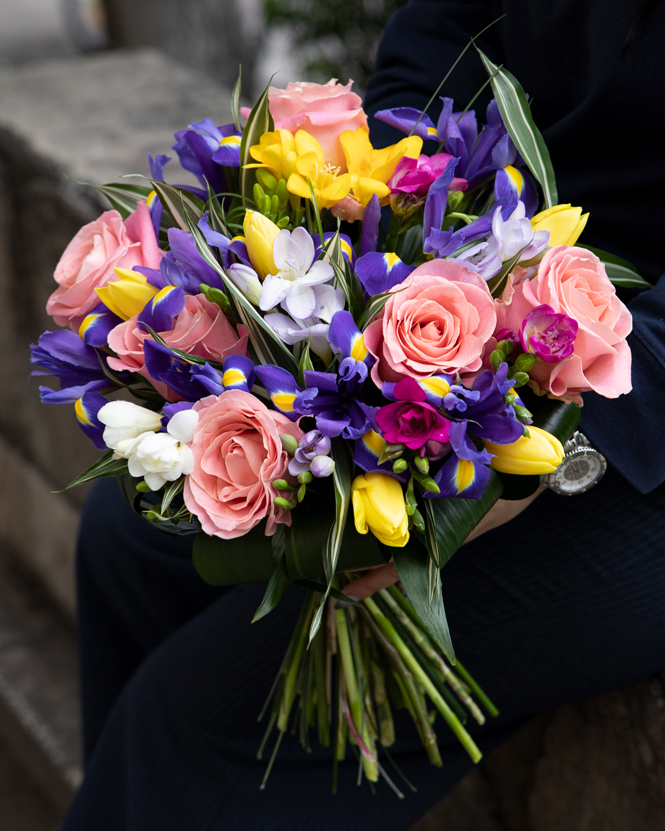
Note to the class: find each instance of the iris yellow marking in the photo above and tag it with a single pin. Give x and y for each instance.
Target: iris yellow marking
(516, 178)
(151, 198)
(391, 260)
(431, 131)
(284, 401)
(346, 248)
(81, 413)
(464, 475)
(87, 323)
(232, 377)
(234, 140)
(439, 386)
(161, 294)
(358, 349)
(374, 442)
(239, 237)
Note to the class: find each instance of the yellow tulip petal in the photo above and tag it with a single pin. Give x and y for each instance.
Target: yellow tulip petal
(359, 518)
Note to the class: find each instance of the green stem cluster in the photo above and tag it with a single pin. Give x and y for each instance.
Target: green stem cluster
(368, 659)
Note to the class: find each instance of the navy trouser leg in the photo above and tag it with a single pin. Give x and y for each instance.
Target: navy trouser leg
(562, 604)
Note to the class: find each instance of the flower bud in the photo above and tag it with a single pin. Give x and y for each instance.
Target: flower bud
(505, 346)
(564, 223)
(289, 443)
(496, 358)
(539, 452)
(400, 465)
(247, 280)
(282, 503)
(125, 421)
(260, 235)
(282, 485)
(302, 490)
(305, 477)
(266, 180)
(525, 362)
(422, 463)
(322, 466)
(378, 506)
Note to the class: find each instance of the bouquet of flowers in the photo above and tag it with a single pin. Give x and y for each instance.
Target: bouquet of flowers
(342, 355)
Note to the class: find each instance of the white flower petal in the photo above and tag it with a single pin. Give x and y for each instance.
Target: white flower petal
(274, 290)
(154, 481)
(305, 243)
(183, 424)
(125, 420)
(186, 459)
(285, 328)
(320, 272)
(247, 280)
(300, 301)
(328, 301)
(280, 249)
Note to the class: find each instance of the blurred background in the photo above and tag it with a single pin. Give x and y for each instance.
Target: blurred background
(87, 87)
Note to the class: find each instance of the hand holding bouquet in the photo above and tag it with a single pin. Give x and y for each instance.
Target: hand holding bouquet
(341, 355)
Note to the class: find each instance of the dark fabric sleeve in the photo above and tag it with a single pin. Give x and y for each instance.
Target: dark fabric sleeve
(630, 430)
(420, 44)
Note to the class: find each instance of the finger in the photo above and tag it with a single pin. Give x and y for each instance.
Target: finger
(377, 578)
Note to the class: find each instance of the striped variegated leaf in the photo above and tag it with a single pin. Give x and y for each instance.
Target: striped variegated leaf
(519, 122)
(123, 197)
(620, 271)
(342, 481)
(179, 203)
(235, 100)
(259, 122)
(268, 347)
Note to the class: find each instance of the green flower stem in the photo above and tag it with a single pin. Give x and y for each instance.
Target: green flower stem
(412, 700)
(322, 711)
(425, 646)
(384, 713)
(294, 667)
(477, 690)
(421, 676)
(352, 691)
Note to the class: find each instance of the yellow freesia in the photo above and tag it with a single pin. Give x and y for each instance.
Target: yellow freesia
(276, 152)
(564, 223)
(371, 169)
(540, 453)
(329, 186)
(260, 235)
(378, 506)
(128, 295)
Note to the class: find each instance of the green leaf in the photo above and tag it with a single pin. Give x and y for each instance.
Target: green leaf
(123, 197)
(342, 476)
(413, 566)
(274, 591)
(170, 492)
(305, 363)
(106, 466)
(247, 559)
(235, 100)
(185, 356)
(179, 203)
(259, 122)
(497, 284)
(519, 122)
(217, 217)
(620, 271)
(268, 347)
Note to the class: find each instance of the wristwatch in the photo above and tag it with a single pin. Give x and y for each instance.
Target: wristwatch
(582, 467)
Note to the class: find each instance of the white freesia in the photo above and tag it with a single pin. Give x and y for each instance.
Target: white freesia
(298, 282)
(125, 421)
(247, 280)
(162, 457)
(515, 233)
(314, 328)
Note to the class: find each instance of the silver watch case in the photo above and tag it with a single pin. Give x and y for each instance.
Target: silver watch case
(582, 467)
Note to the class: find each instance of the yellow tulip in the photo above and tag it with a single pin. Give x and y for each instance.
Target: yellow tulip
(329, 186)
(260, 235)
(128, 295)
(540, 453)
(378, 506)
(371, 169)
(564, 223)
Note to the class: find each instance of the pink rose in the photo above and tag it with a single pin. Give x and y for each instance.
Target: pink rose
(90, 258)
(237, 455)
(201, 328)
(572, 281)
(322, 110)
(439, 323)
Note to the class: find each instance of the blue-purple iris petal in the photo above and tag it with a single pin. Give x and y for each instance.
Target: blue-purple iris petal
(238, 364)
(468, 126)
(446, 114)
(326, 381)
(454, 480)
(208, 378)
(183, 248)
(435, 206)
(455, 145)
(343, 333)
(163, 366)
(504, 152)
(405, 119)
(195, 152)
(170, 410)
(64, 355)
(86, 416)
(96, 326)
(371, 220)
(157, 165)
(213, 238)
(378, 273)
(348, 251)
(281, 387)
(160, 312)
(70, 395)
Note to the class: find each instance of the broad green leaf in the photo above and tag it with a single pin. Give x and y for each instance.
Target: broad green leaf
(246, 559)
(235, 100)
(106, 466)
(342, 482)
(620, 271)
(519, 122)
(268, 347)
(259, 122)
(274, 590)
(123, 197)
(179, 203)
(413, 566)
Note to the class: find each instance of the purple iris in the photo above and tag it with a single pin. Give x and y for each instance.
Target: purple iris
(548, 335)
(332, 400)
(489, 417)
(205, 149)
(64, 355)
(410, 420)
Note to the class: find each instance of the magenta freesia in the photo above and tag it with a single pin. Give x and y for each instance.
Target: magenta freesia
(413, 178)
(410, 420)
(548, 335)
